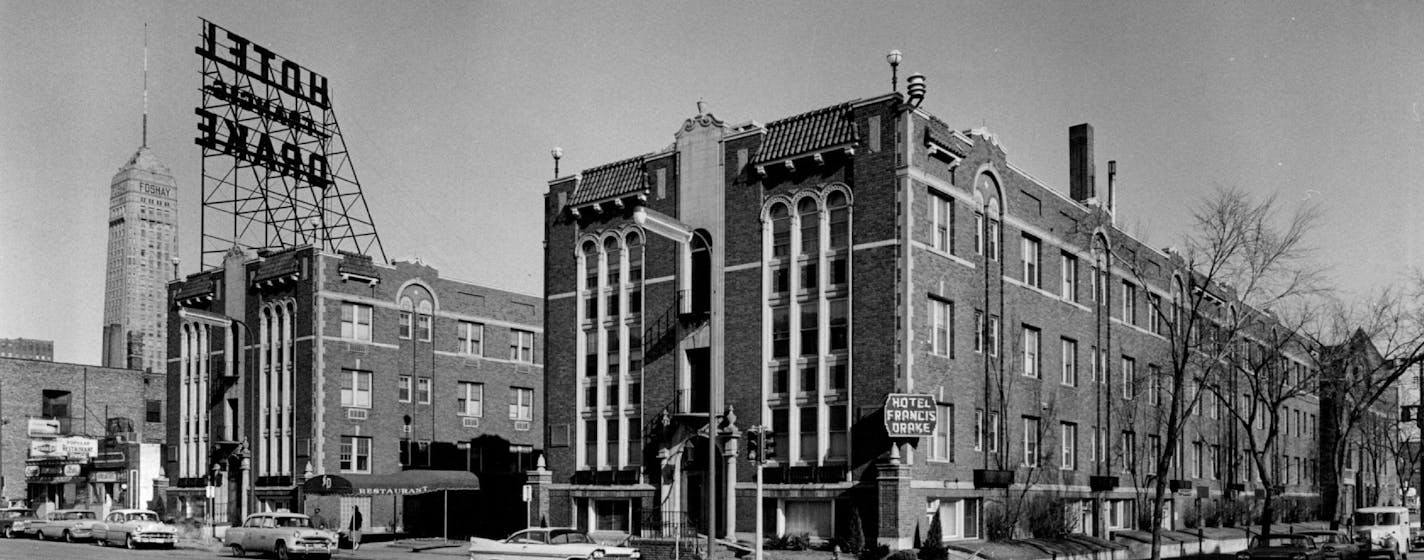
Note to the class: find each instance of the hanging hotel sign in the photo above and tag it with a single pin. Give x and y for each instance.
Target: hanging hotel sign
(909, 415)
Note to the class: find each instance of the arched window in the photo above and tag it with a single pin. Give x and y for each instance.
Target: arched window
(635, 273)
(613, 258)
(810, 217)
(423, 319)
(840, 220)
(407, 308)
(780, 231)
(590, 280)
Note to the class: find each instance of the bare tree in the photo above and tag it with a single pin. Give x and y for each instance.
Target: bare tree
(1244, 265)
(1380, 340)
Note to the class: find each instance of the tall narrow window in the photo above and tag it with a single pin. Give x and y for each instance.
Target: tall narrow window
(521, 403)
(1129, 302)
(978, 330)
(978, 233)
(423, 319)
(810, 218)
(1030, 441)
(943, 222)
(1031, 249)
(942, 313)
(1129, 375)
(840, 220)
(978, 429)
(941, 444)
(995, 431)
(840, 331)
(1031, 351)
(407, 320)
(1068, 276)
(995, 230)
(780, 231)
(993, 335)
(1070, 362)
(1068, 437)
(1154, 374)
(403, 388)
(422, 390)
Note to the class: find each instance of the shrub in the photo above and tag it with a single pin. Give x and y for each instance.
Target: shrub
(854, 541)
(933, 547)
(1211, 514)
(903, 555)
(1048, 518)
(999, 522)
(799, 541)
(1191, 518)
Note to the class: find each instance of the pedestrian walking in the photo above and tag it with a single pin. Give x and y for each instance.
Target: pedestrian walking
(355, 528)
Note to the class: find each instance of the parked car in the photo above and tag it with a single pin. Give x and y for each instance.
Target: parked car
(548, 544)
(12, 516)
(282, 533)
(1383, 531)
(1281, 546)
(134, 527)
(1336, 544)
(68, 524)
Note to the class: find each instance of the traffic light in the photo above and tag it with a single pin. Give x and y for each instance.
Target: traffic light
(768, 446)
(754, 446)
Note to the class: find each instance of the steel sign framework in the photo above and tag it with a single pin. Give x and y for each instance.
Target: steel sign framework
(276, 172)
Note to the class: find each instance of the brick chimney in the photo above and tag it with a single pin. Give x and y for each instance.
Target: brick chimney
(1081, 176)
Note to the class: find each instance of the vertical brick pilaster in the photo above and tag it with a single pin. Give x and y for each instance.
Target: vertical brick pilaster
(896, 524)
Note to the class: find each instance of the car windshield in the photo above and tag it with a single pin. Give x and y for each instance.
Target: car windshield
(1281, 541)
(293, 522)
(568, 537)
(1367, 518)
(79, 515)
(14, 513)
(143, 516)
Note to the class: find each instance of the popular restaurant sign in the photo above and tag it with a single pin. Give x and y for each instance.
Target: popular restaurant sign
(239, 119)
(909, 415)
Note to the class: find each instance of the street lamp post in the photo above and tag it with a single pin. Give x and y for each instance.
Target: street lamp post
(894, 58)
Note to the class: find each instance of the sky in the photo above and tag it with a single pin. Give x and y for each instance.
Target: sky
(450, 110)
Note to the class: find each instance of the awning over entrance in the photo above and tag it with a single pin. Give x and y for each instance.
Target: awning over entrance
(396, 484)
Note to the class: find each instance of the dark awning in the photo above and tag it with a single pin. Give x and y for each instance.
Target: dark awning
(395, 484)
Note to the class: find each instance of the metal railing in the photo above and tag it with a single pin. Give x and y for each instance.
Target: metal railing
(666, 525)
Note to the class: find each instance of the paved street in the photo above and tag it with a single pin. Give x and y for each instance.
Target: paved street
(28, 549)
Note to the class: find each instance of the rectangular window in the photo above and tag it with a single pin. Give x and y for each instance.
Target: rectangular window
(1030, 441)
(422, 386)
(1154, 385)
(356, 321)
(1031, 249)
(356, 388)
(423, 322)
(521, 403)
(943, 223)
(1031, 351)
(1129, 302)
(942, 444)
(355, 454)
(1198, 456)
(521, 346)
(840, 326)
(470, 401)
(942, 312)
(810, 331)
(781, 332)
(994, 236)
(978, 429)
(978, 234)
(995, 430)
(472, 337)
(1093, 291)
(405, 325)
(978, 330)
(1129, 451)
(153, 411)
(993, 335)
(1070, 362)
(1069, 439)
(1154, 313)
(403, 387)
(1129, 373)
(1068, 276)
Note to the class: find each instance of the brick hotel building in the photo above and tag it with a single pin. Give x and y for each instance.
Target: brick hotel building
(292, 364)
(792, 274)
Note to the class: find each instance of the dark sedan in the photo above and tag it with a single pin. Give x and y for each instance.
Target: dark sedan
(1336, 544)
(8, 517)
(1294, 546)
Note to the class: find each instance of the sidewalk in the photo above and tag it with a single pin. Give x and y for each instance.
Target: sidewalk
(396, 550)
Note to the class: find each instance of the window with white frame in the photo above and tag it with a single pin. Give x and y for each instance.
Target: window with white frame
(1154, 385)
(1068, 437)
(978, 429)
(470, 400)
(1030, 259)
(1129, 302)
(942, 442)
(1070, 362)
(995, 230)
(993, 335)
(978, 330)
(403, 388)
(995, 431)
(942, 312)
(356, 321)
(1154, 313)
(407, 321)
(521, 403)
(423, 318)
(1031, 351)
(422, 390)
(1068, 276)
(521, 346)
(979, 233)
(1129, 374)
(958, 517)
(1129, 450)
(472, 337)
(1030, 441)
(356, 388)
(355, 454)
(943, 222)
(1198, 456)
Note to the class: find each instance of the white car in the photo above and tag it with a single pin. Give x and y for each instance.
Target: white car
(68, 524)
(1383, 530)
(548, 544)
(134, 527)
(282, 533)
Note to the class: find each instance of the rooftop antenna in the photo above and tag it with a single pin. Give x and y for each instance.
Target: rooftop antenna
(145, 85)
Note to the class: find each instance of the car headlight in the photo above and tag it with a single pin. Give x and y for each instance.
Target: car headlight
(1243, 555)
(1297, 557)
(597, 553)
(635, 554)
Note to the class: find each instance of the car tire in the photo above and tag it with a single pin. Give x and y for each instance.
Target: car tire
(101, 541)
(129, 542)
(9, 532)
(282, 553)
(68, 537)
(237, 551)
